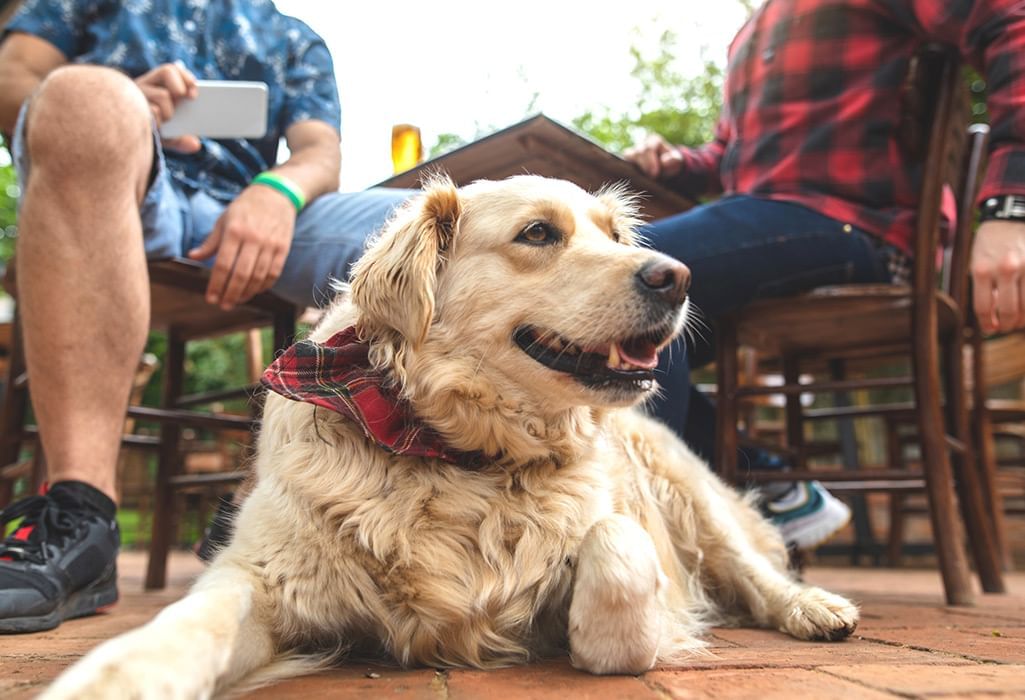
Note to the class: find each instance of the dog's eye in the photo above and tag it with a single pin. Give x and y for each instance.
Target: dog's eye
(538, 233)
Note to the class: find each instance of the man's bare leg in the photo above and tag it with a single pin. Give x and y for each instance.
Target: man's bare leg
(82, 283)
(84, 302)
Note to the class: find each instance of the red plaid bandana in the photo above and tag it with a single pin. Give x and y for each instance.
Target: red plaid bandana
(337, 375)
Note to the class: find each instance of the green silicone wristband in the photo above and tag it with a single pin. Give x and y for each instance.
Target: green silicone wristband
(284, 186)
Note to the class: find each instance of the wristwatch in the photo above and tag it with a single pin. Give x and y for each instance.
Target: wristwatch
(1008, 207)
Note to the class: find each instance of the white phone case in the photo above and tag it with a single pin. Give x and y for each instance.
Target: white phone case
(223, 109)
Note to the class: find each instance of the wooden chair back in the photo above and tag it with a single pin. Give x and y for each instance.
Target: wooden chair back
(924, 323)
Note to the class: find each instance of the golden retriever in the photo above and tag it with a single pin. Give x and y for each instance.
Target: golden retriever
(517, 321)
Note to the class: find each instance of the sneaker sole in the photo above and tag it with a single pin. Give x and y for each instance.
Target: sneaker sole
(819, 527)
(88, 601)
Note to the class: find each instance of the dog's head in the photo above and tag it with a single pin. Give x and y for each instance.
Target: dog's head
(527, 291)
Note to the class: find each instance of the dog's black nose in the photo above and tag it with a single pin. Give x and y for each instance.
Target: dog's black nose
(664, 278)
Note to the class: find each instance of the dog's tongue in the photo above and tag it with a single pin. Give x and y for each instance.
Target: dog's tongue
(643, 356)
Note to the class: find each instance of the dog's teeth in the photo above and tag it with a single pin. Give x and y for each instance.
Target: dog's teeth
(614, 360)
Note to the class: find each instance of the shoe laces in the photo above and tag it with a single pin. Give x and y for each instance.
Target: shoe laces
(43, 521)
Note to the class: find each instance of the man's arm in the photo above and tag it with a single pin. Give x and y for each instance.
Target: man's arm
(253, 236)
(692, 171)
(316, 158)
(991, 35)
(24, 61)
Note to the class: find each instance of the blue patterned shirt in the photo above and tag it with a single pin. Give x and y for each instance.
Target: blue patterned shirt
(216, 40)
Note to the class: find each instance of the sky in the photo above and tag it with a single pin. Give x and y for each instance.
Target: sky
(452, 66)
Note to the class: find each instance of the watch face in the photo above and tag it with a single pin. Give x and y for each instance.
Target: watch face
(1008, 207)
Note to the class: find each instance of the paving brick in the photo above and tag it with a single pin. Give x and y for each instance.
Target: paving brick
(909, 642)
(796, 655)
(753, 648)
(781, 684)
(359, 682)
(47, 645)
(885, 615)
(915, 680)
(1001, 645)
(551, 680)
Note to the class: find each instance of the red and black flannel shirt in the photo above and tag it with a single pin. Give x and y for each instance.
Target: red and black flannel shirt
(813, 103)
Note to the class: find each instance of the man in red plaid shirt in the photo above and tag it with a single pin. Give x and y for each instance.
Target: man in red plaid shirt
(816, 188)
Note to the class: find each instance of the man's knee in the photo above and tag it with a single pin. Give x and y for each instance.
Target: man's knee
(87, 115)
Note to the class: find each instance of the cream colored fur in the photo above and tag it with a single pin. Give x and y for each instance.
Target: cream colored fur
(593, 531)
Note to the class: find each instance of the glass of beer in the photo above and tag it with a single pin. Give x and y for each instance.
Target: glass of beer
(406, 147)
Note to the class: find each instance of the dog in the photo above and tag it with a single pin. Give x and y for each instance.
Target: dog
(451, 471)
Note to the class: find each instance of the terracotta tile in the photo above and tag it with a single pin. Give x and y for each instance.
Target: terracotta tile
(991, 644)
(807, 655)
(358, 682)
(909, 642)
(935, 680)
(779, 684)
(47, 645)
(751, 648)
(878, 615)
(553, 680)
(24, 678)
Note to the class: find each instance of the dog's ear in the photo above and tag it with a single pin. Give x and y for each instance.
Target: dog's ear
(393, 283)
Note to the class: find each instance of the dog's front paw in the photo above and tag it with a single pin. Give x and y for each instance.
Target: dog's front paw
(815, 614)
(134, 666)
(109, 682)
(615, 618)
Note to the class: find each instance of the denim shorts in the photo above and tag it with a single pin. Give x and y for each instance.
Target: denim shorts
(330, 233)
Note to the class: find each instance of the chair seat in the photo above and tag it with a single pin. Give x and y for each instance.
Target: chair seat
(1006, 410)
(836, 319)
(177, 289)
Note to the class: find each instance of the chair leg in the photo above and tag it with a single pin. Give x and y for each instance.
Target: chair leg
(726, 437)
(284, 330)
(895, 541)
(864, 541)
(986, 458)
(169, 463)
(936, 467)
(895, 460)
(13, 411)
(979, 522)
(985, 452)
(793, 412)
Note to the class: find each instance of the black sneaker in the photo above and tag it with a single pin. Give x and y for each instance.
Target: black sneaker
(60, 563)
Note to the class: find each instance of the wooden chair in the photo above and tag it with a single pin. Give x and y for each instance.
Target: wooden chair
(1000, 362)
(832, 325)
(179, 309)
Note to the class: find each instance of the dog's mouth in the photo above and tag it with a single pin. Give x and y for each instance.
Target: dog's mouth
(618, 363)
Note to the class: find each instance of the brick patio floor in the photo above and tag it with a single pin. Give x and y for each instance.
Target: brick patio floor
(909, 645)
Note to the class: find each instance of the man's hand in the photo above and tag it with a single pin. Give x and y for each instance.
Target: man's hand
(251, 241)
(656, 157)
(164, 87)
(998, 275)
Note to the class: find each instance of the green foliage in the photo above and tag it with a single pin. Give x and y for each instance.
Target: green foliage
(8, 204)
(977, 90)
(682, 108)
(446, 142)
(210, 365)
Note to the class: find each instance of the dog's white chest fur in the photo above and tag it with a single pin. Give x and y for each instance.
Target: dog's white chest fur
(457, 567)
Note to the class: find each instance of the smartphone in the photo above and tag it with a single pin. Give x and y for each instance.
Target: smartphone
(223, 109)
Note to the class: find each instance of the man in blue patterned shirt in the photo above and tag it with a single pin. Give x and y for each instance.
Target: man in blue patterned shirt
(83, 86)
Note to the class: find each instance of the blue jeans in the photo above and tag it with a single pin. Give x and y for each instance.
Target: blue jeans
(330, 233)
(740, 249)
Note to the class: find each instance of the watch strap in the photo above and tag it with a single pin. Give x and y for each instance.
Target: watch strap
(1010, 207)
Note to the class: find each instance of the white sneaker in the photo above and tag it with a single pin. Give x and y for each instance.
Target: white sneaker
(807, 515)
